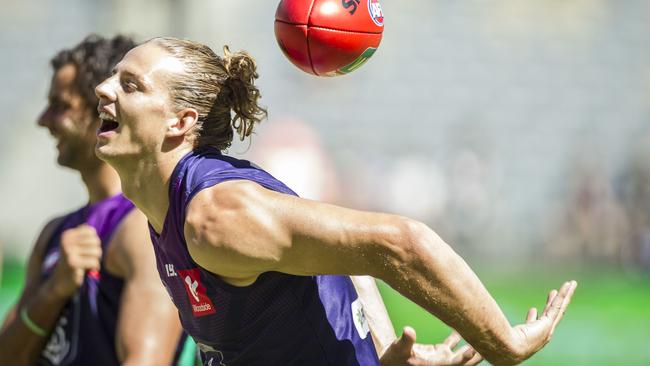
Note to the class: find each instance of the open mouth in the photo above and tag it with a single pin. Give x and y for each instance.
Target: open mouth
(108, 125)
(108, 122)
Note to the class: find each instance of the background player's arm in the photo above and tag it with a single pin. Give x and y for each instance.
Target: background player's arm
(18, 344)
(238, 230)
(381, 327)
(148, 328)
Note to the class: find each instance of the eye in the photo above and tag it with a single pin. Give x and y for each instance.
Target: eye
(59, 106)
(129, 86)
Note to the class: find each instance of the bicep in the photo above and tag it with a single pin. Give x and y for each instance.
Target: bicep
(240, 229)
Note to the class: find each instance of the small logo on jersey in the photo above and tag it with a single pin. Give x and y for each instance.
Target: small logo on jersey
(169, 268)
(359, 319)
(58, 346)
(211, 356)
(377, 15)
(201, 304)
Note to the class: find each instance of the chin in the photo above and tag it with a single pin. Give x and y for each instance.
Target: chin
(64, 162)
(109, 155)
(103, 152)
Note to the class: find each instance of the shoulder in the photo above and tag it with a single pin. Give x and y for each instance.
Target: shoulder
(226, 195)
(224, 205)
(130, 245)
(38, 252)
(135, 222)
(231, 228)
(214, 206)
(46, 234)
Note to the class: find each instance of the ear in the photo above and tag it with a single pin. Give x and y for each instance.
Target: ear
(183, 122)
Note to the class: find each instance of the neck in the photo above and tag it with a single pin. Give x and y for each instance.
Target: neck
(101, 182)
(145, 181)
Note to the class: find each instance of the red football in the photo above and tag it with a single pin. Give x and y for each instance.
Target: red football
(329, 37)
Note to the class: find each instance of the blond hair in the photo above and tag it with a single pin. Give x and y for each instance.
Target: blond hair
(221, 89)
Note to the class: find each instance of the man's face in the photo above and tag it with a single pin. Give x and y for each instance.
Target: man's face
(70, 121)
(134, 104)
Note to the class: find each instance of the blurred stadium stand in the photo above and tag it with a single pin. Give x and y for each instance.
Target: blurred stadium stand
(495, 105)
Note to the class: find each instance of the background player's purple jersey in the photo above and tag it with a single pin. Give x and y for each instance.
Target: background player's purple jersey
(280, 319)
(85, 331)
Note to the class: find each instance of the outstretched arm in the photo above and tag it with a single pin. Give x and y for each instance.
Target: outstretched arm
(239, 230)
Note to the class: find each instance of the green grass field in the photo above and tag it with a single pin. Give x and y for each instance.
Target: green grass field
(608, 322)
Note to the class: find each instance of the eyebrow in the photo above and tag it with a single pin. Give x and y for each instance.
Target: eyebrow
(55, 99)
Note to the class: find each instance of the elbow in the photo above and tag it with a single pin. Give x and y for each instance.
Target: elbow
(411, 246)
(402, 240)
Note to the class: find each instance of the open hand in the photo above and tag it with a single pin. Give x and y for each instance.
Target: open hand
(536, 332)
(405, 352)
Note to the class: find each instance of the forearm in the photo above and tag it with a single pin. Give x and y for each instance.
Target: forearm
(381, 327)
(430, 273)
(20, 345)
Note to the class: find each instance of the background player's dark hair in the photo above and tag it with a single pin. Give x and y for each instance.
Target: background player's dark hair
(94, 59)
(221, 88)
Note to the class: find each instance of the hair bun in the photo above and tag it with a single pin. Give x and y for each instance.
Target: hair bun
(241, 71)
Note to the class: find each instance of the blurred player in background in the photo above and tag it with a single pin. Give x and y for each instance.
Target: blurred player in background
(92, 296)
(254, 270)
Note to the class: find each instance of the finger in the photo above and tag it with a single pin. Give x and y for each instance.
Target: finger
(86, 263)
(453, 340)
(90, 243)
(88, 240)
(554, 309)
(89, 252)
(86, 228)
(475, 360)
(73, 242)
(407, 340)
(565, 303)
(551, 296)
(559, 298)
(80, 232)
(532, 315)
(549, 300)
(464, 354)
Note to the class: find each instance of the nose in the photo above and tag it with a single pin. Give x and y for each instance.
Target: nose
(45, 119)
(105, 91)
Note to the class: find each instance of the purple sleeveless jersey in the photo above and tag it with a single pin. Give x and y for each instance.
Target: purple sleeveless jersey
(280, 319)
(85, 332)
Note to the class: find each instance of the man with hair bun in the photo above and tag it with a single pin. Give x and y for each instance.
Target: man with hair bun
(260, 276)
(91, 295)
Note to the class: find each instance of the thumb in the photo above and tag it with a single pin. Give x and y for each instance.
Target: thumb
(407, 340)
